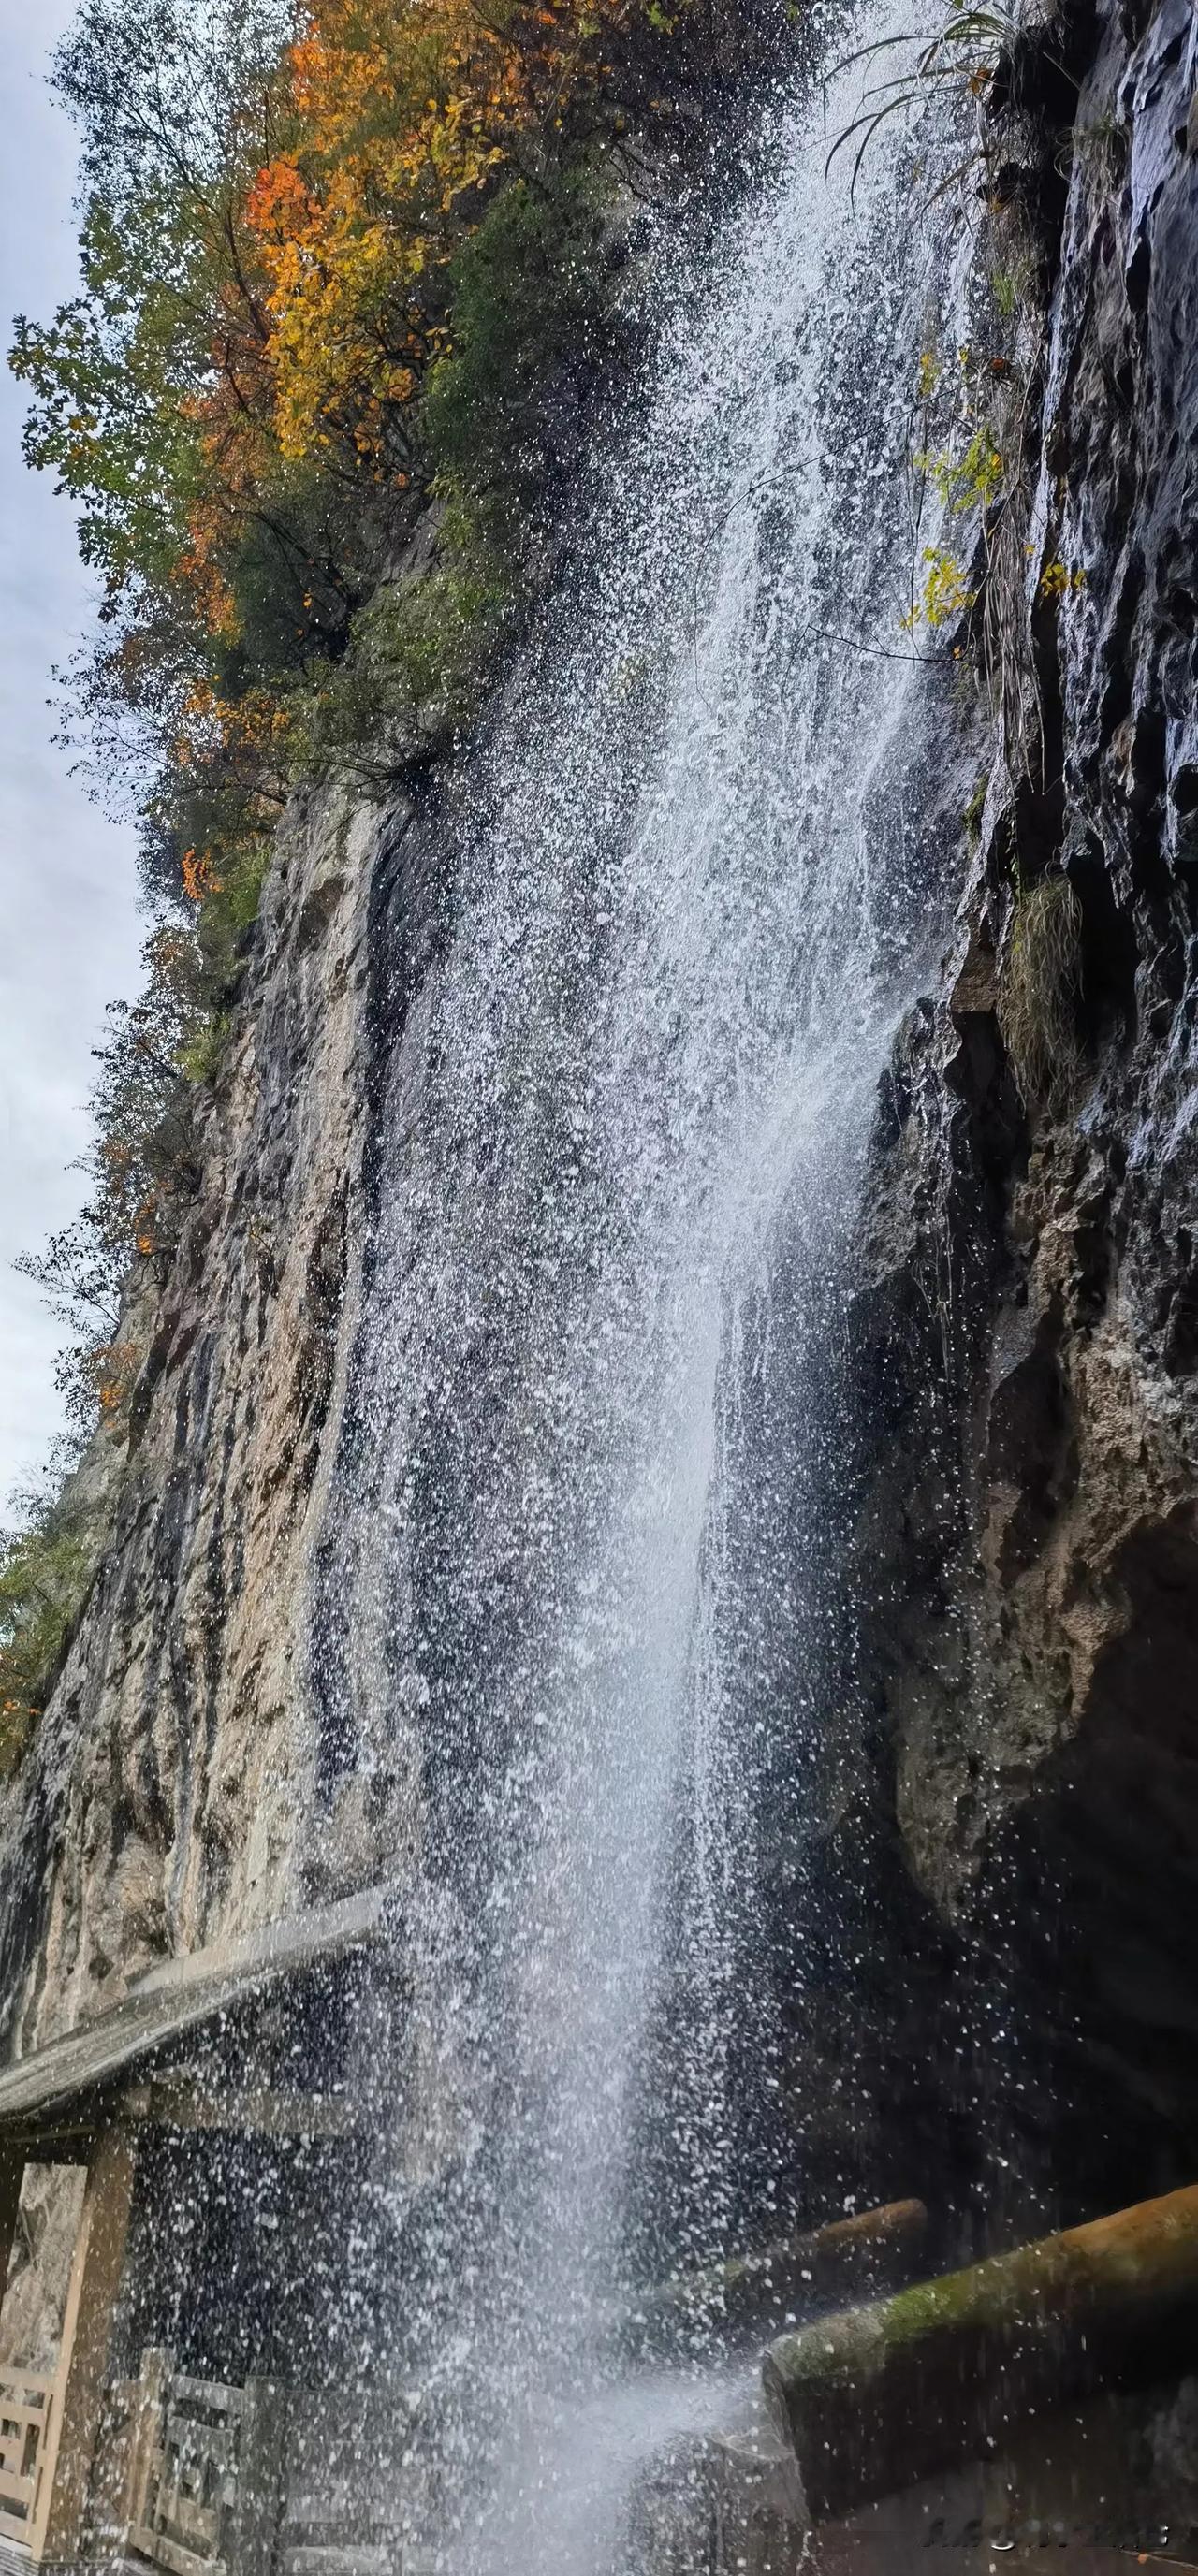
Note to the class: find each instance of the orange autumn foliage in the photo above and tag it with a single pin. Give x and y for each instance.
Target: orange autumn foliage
(199, 878)
(402, 112)
(244, 738)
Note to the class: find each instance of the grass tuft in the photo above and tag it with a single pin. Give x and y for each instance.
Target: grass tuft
(1039, 989)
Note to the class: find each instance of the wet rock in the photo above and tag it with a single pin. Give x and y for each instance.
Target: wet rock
(1028, 1342)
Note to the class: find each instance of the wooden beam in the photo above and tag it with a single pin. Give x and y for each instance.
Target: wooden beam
(177, 2102)
(878, 2397)
(874, 2250)
(60, 2142)
(178, 1997)
(83, 2358)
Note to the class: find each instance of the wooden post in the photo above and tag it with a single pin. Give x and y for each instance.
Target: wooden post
(876, 2398)
(249, 2548)
(873, 2251)
(145, 2444)
(83, 2356)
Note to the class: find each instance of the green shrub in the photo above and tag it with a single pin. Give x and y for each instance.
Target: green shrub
(203, 1054)
(228, 911)
(297, 566)
(417, 653)
(44, 1572)
(530, 304)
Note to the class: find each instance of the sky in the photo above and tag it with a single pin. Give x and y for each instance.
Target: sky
(69, 937)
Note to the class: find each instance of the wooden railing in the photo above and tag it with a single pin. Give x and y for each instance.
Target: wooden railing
(204, 2468)
(26, 2411)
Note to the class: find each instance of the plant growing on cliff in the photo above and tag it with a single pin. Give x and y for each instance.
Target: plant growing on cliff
(416, 652)
(1040, 987)
(944, 592)
(965, 472)
(530, 314)
(972, 410)
(962, 53)
(278, 343)
(46, 1562)
(143, 1171)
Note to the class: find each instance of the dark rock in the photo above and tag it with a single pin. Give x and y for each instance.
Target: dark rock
(1029, 1326)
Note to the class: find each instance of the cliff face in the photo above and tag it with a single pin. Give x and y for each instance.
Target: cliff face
(1026, 1329)
(1029, 1327)
(165, 1800)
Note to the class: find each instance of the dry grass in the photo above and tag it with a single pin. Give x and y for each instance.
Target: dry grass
(1039, 988)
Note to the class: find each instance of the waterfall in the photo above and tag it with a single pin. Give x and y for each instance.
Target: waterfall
(585, 1570)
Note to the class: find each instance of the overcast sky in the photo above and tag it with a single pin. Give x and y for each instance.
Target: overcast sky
(69, 938)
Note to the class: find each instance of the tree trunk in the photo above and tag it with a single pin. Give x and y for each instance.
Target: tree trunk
(881, 2396)
(869, 2252)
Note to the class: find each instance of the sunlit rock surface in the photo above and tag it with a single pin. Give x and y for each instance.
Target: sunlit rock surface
(167, 1800)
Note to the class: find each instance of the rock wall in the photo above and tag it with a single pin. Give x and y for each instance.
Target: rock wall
(167, 1800)
(1028, 1324)
(39, 2265)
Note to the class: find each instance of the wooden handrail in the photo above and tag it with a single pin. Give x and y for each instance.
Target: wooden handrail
(26, 2410)
(204, 2468)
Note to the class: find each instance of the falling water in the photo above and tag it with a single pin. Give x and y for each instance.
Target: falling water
(585, 1579)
